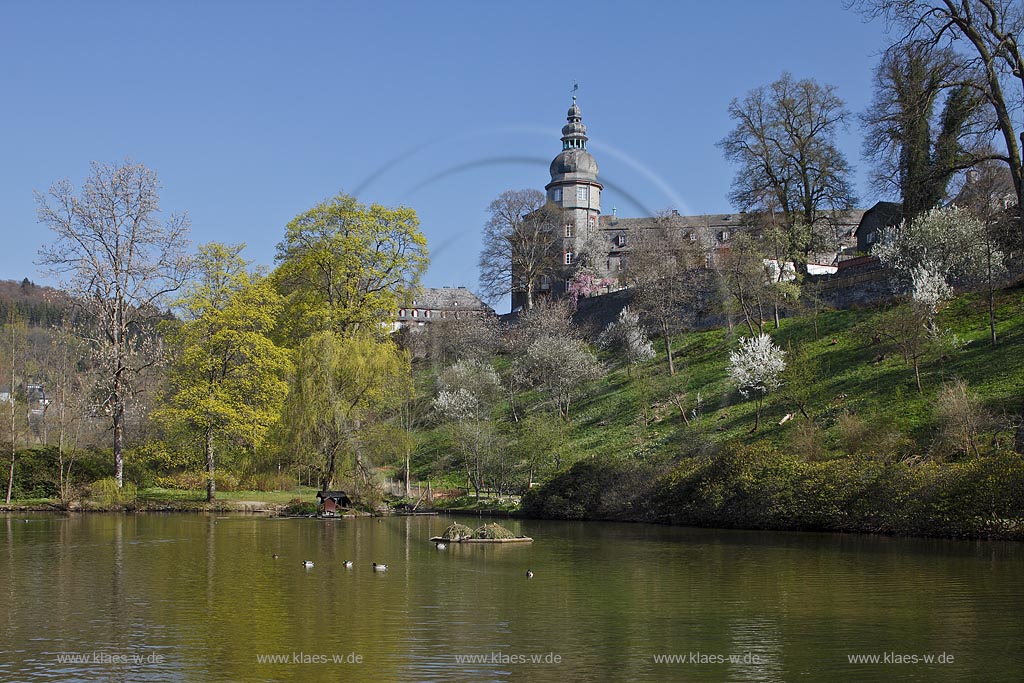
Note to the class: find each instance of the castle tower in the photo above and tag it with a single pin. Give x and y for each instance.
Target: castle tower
(574, 186)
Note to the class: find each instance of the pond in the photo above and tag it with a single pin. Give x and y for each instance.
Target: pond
(193, 597)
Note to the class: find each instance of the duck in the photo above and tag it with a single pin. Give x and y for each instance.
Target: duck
(442, 546)
(274, 556)
(529, 573)
(379, 567)
(307, 563)
(347, 564)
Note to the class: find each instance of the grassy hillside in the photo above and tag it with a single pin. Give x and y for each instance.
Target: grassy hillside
(870, 457)
(630, 412)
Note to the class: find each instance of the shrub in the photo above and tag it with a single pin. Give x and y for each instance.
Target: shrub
(106, 493)
(300, 506)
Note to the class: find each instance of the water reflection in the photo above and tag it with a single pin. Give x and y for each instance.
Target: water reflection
(205, 594)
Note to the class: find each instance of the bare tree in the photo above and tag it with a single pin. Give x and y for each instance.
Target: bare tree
(13, 345)
(989, 30)
(119, 261)
(666, 270)
(521, 244)
(785, 145)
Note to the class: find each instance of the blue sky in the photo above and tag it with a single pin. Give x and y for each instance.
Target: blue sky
(251, 112)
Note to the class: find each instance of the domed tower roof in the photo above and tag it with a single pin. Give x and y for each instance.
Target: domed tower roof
(574, 162)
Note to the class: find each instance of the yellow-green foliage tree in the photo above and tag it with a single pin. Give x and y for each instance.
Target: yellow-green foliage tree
(344, 270)
(341, 386)
(343, 266)
(228, 380)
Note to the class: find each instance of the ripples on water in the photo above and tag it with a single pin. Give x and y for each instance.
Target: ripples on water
(204, 594)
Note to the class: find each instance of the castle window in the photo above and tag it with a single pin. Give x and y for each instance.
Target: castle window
(567, 284)
(401, 313)
(724, 235)
(593, 221)
(693, 237)
(582, 193)
(620, 240)
(568, 229)
(415, 314)
(545, 283)
(556, 194)
(871, 237)
(568, 258)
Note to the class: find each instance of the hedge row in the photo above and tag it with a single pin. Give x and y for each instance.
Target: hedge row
(758, 487)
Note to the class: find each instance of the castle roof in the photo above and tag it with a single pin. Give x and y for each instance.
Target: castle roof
(448, 298)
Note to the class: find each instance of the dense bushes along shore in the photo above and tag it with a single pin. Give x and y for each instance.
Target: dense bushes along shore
(759, 487)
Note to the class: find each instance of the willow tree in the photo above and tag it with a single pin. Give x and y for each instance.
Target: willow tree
(345, 267)
(228, 380)
(342, 385)
(118, 261)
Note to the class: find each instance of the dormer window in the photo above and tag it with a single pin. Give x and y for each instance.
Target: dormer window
(620, 240)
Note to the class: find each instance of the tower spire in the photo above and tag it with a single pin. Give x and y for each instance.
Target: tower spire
(574, 133)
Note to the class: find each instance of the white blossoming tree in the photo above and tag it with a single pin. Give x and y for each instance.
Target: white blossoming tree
(756, 368)
(466, 394)
(626, 335)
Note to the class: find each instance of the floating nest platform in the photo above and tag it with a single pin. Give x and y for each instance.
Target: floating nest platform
(515, 539)
(488, 533)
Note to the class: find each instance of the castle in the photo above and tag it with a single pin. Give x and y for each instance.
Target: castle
(575, 188)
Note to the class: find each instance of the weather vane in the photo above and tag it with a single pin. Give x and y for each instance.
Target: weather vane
(575, 87)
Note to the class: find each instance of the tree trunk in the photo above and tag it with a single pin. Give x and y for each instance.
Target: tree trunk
(408, 491)
(668, 353)
(991, 308)
(211, 482)
(917, 375)
(10, 476)
(328, 478)
(118, 419)
(757, 415)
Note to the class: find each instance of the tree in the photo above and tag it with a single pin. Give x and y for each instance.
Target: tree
(756, 367)
(342, 384)
(14, 355)
(560, 366)
(70, 377)
(989, 31)
(941, 249)
(466, 395)
(119, 262)
(345, 267)
(784, 144)
(907, 155)
(742, 275)
(522, 242)
(228, 380)
(666, 271)
(626, 335)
